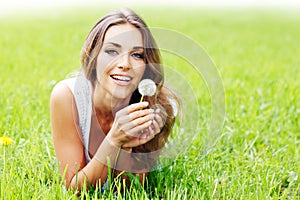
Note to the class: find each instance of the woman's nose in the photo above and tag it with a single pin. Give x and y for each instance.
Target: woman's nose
(124, 62)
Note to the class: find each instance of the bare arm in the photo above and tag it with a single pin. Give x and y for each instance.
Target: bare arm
(140, 163)
(68, 142)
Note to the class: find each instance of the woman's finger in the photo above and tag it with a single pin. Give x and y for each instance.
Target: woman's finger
(140, 113)
(137, 122)
(131, 108)
(125, 118)
(155, 127)
(159, 120)
(136, 106)
(161, 117)
(136, 130)
(137, 141)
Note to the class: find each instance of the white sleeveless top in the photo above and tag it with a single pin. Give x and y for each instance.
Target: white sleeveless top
(82, 91)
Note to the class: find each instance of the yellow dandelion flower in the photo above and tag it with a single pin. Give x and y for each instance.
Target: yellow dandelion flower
(4, 140)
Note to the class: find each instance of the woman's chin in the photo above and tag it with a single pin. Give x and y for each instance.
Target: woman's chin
(122, 96)
(123, 93)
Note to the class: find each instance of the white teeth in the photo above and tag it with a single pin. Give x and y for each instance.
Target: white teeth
(121, 78)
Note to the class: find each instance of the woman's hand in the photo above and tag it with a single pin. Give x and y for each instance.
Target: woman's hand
(129, 123)
(148, 133)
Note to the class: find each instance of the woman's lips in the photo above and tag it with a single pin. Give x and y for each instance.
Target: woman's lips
(121, 79)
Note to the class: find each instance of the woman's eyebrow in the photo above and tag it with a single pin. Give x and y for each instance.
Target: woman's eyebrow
(119, 45)
(138, 48)
(114, 44)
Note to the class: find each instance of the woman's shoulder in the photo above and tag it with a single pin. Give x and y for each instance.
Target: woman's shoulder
(61, 101)
(63, 90)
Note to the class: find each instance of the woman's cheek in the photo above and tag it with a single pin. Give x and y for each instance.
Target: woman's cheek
(140, 67)
(104, 62)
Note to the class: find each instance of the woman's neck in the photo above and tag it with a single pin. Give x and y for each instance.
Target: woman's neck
(105, 104)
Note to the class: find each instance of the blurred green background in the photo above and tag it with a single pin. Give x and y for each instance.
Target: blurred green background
(257, 54)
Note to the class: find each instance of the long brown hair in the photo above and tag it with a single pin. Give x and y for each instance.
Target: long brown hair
(163, 96)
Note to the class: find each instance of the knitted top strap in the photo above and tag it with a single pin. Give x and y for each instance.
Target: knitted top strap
(82, 91)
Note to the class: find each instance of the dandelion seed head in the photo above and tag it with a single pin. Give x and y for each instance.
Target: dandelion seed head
(147, 87)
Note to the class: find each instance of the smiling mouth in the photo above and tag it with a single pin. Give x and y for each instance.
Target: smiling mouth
(121, 78)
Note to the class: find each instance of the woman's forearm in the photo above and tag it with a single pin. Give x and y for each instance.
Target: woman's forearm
(96, 170)
(130, 162)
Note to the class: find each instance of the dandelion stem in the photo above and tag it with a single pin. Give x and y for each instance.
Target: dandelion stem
(3, 179)
(142, 98)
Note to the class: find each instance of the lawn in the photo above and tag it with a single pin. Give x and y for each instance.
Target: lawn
(256, 155)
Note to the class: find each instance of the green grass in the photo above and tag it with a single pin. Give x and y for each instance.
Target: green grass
(257, 154)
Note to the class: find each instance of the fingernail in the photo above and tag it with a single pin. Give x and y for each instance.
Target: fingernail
(150, 129)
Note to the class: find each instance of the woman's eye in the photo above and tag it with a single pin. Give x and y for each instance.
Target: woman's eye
(111, 52)
(138, 55)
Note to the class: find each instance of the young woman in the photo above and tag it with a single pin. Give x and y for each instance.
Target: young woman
(98, 121)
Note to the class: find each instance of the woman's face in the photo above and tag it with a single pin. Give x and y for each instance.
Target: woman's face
(120, 62)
